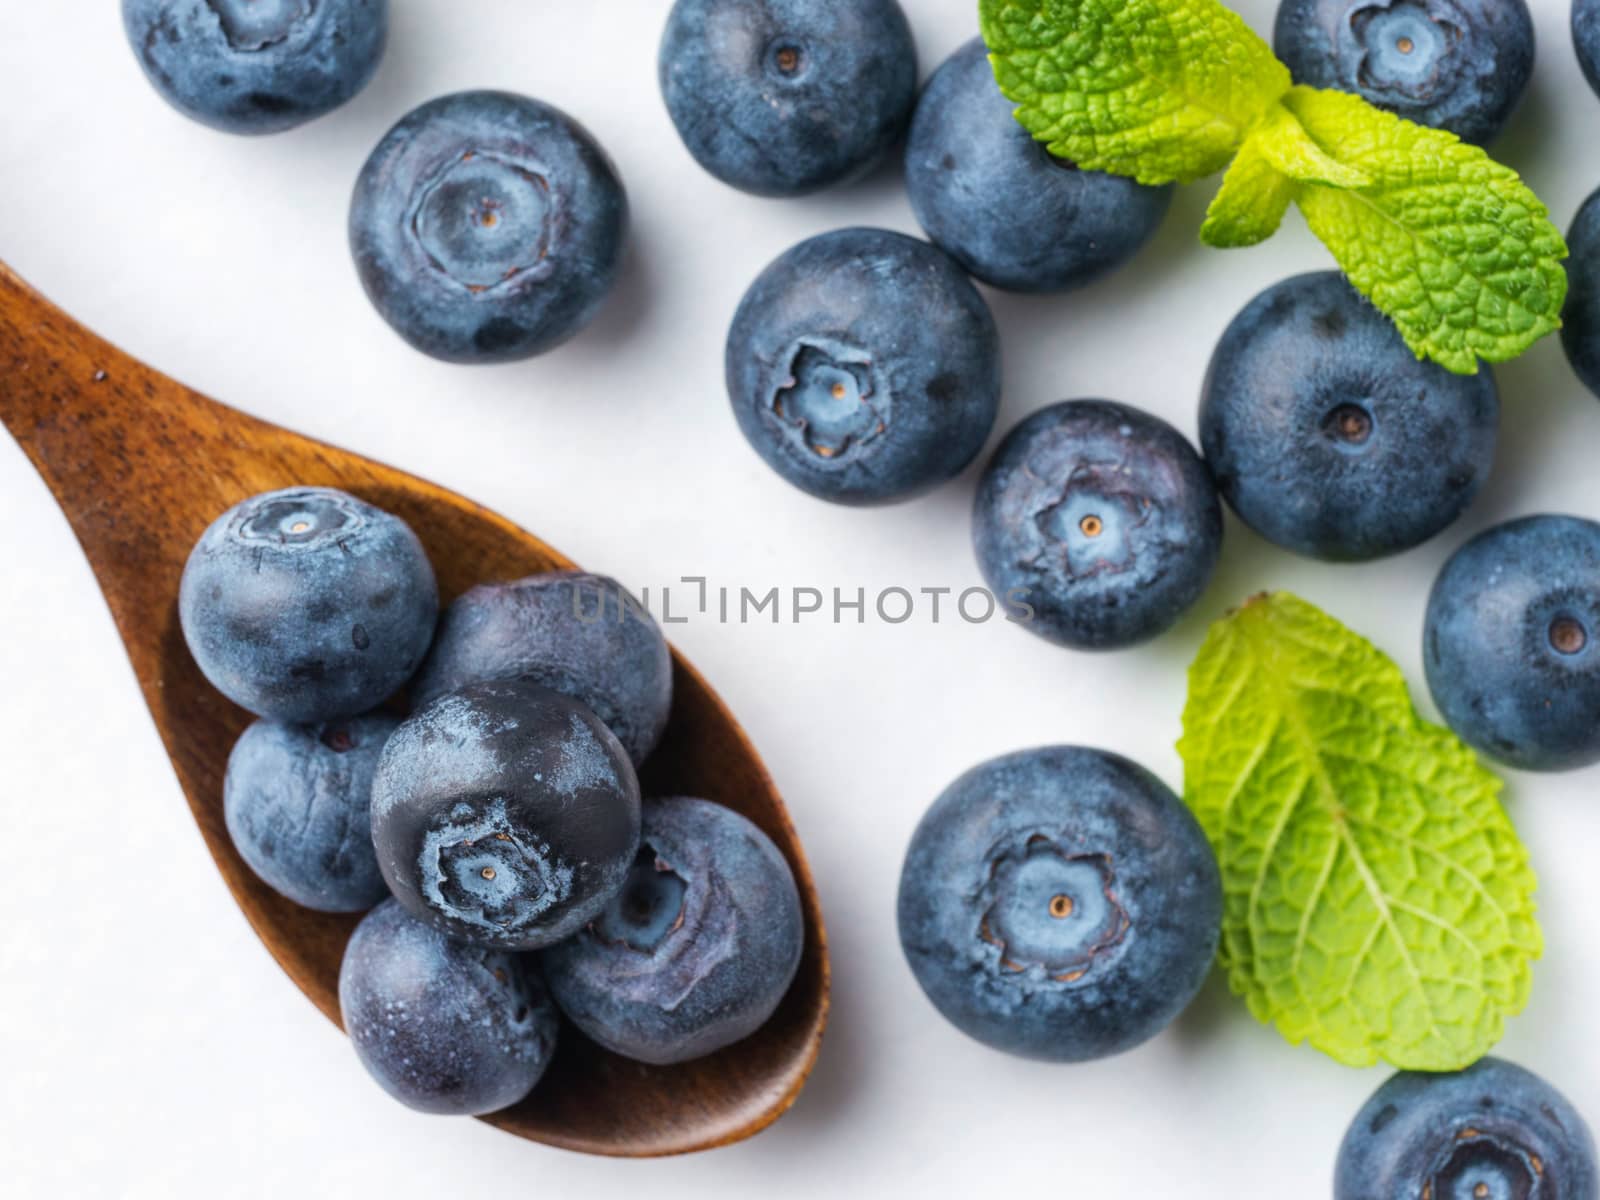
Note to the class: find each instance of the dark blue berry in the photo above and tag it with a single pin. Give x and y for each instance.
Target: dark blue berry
(297, 800)
(1580, 319)
(445, 1026)
(864, 367)
(1060, 904)
(575, 633)
(257, 66)
(488, 227)
(784, 97)
(1099, 521)
(1328, 436)
(696, 950)
(505, 814)
(1460, 65)
(1492, 1132)
(1000, 204)
(1586, 38)
(1512, 642)
(307, 604)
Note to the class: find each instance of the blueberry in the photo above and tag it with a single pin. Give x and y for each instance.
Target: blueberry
(445, 1026)
(257, 66)
(505, 814)
(1099, 518)
(696, 950)
(488, 227)
(1460, 65)
(785, 97)
(307, 604)
(578, 634)
(1586, 38)
(864, 367)
(1000, 204)
(1512, 642)
(1060, 904)
(1329, 437)
(297, 800)
(1580, 320)
(1492, 1132)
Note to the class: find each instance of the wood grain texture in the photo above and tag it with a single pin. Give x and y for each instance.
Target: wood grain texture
(141, 465)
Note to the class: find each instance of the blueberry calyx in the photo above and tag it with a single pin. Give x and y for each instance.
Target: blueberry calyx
(1405, 47)
(483, 220)
(1086, 920)
(829, 398)
(787, 59)
(475, 868)
(1098, 506)
(1481, 1165)
(1349, 424)
(1567, 635)
(252, 27)
(650, 908)
(297, 520)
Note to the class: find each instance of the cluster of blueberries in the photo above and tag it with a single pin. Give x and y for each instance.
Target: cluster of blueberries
(496, 833)
(1059, 903)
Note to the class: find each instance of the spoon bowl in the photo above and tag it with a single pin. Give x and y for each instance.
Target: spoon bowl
(141, 465)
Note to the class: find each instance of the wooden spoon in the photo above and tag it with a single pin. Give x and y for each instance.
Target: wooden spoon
(142, 465)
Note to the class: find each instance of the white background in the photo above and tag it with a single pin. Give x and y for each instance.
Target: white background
(148, 1044)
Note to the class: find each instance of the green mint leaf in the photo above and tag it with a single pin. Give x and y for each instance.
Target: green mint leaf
(1282, 141)
(1454, 247)
(1378, 902)
(1251, 203)
(1161, 90)
(1276, 157)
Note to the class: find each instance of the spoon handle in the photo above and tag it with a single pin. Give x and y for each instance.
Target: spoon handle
(70, 398)
(109, 436)
(137, 462)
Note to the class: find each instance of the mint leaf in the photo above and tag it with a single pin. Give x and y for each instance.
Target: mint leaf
(1251, 203)
(1282, 141)
(1161, 90)
(1378, 902)
(1450, 244)
(1277, 156)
